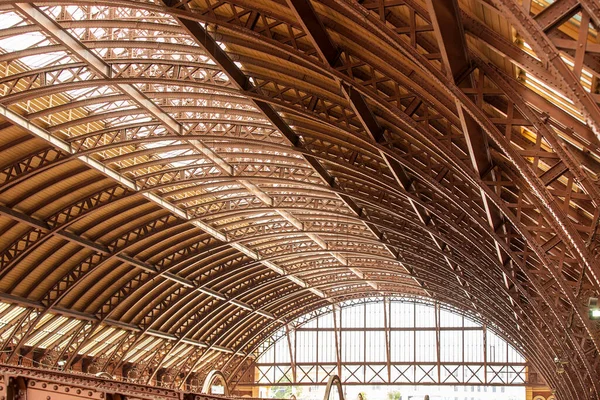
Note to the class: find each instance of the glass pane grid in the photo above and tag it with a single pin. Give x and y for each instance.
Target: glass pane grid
(392, 341)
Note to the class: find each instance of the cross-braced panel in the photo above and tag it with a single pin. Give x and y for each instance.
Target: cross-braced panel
(180, 178)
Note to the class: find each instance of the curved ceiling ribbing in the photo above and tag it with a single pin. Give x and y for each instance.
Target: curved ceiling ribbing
(314, 152)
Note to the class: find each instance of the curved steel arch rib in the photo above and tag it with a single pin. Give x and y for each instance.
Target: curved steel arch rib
(210, 378)
(237, 164)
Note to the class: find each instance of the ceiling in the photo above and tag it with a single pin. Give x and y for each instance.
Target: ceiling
(179, 179)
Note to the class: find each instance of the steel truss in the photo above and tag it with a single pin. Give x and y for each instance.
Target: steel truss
(78, 386)
(203, 172)
(385, 368)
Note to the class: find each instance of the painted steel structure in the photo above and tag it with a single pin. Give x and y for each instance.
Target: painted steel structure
(379, 341)
(180, 178)
(33, 384)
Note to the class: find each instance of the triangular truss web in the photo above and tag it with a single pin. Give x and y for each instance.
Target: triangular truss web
(325, 371)
(353, 373)
(451, 373)
(376, 373)
(179, 180)
(306, 373)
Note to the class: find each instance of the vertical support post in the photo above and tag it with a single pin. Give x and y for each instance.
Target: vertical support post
(485, 355)
(364, 370)
(386, 324)
(336, 330)
(4, 389)
(414, 333)
(317, 358)
(506, 364)
(462, 336)
(16, 388)
(292, 350)
(437, 341)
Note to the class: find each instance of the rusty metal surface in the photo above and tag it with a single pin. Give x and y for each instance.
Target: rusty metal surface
(180, 178)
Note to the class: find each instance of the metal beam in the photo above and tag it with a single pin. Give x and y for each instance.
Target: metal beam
(320, 39)
(57, 384)
(27, 303)
(557, 13)
(236, 75)
(291, 348)
(22, 122)
(450, 35)
(99, 248)
(105, 70)
(95, 62)
(546, 50)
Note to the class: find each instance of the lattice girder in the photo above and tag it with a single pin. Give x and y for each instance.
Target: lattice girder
(137, 92)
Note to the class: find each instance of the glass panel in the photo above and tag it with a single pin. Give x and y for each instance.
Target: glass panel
(450, 319)
(376, 348)
(282, 352)
(425, 345)
(412, 339)
(326, 321)
(374, 315)
(451, 346)
(473, 346)
(327, 346)
(353, 346)
(306, 346)
(353, 317)
(496, 348)
(402, 315)
(424, 316)
(402, 346)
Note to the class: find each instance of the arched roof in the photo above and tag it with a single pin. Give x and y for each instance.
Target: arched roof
(181, 178)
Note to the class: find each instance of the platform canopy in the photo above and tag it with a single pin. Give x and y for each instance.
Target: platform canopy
(180, 179)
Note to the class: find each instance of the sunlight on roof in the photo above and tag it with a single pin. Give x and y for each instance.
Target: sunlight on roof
(22, 42)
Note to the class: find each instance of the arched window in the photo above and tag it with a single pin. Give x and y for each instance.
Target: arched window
(396, 341)
(215, 383)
